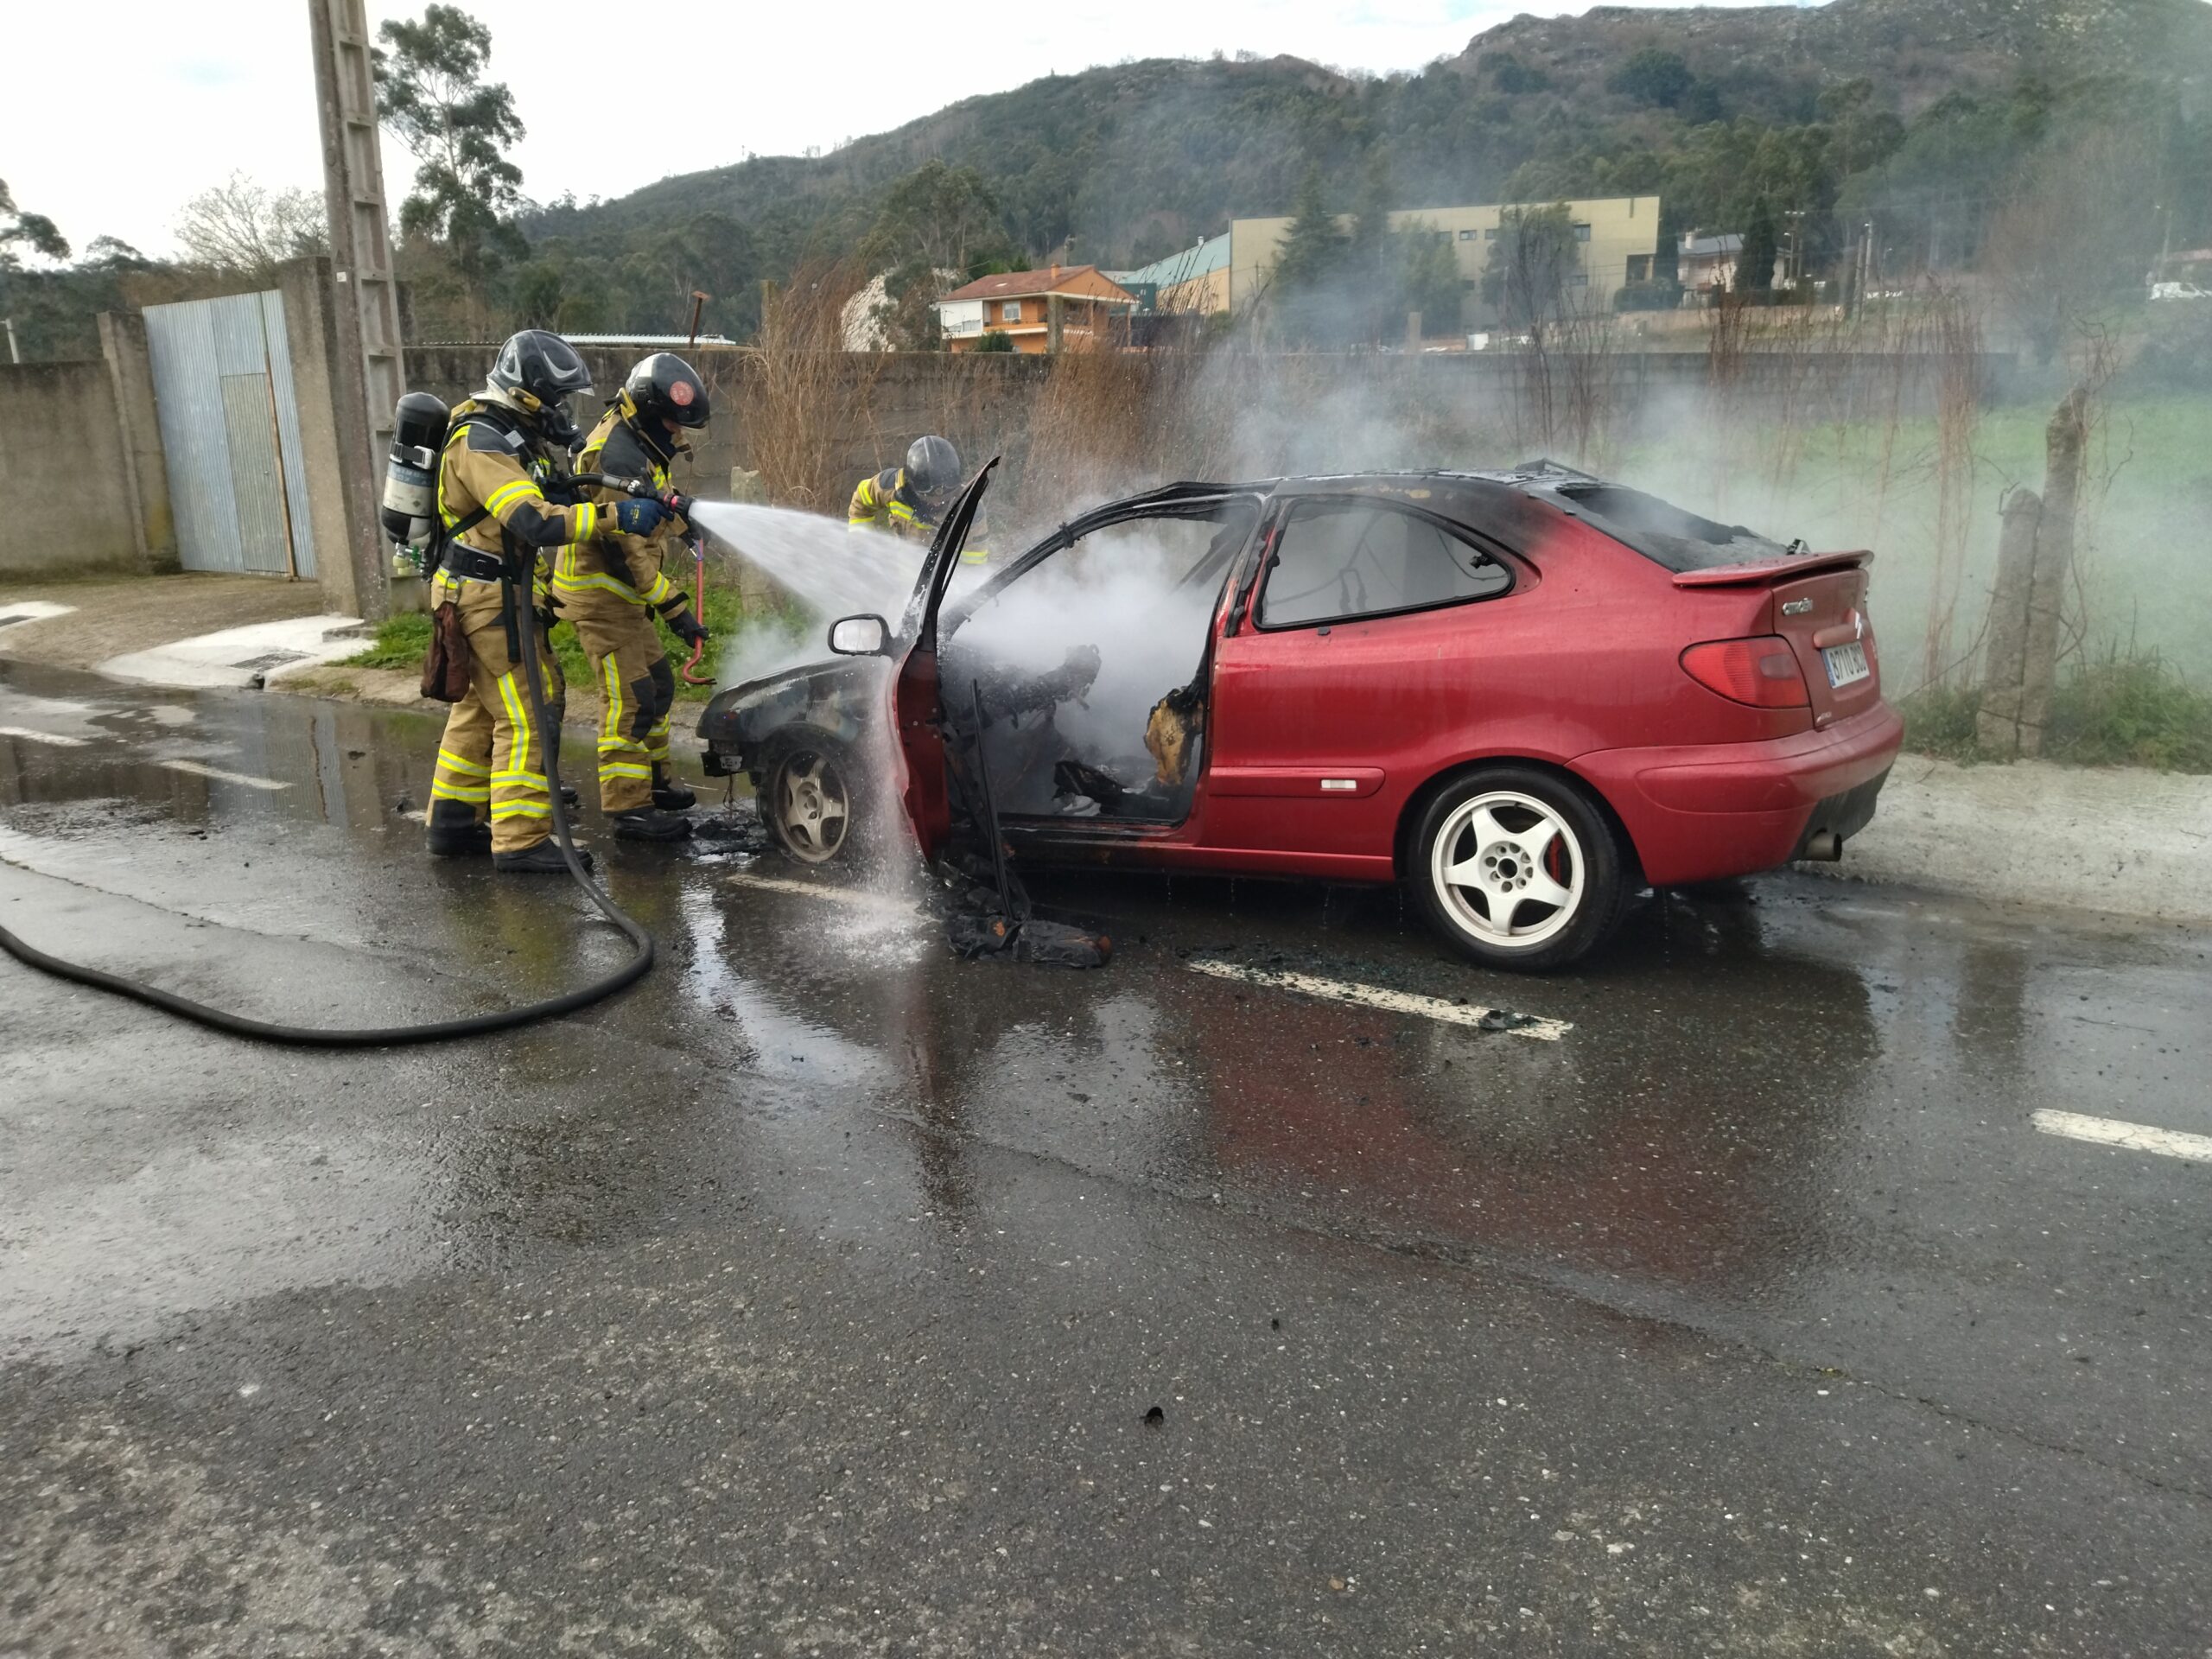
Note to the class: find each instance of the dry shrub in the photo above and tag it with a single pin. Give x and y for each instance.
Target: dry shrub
(809, 397)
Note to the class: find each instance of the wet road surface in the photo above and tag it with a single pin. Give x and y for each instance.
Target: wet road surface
(828, 1295)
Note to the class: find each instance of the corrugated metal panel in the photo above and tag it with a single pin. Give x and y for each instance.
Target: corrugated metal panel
(259, 502)
(288, 426)
(195, 441)
(222, 375)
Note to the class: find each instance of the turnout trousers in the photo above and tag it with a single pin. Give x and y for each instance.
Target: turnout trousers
(492, 755)
(637, 689)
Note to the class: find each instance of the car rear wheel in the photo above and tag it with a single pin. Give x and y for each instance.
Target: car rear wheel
(808, 801)
(1518, 869)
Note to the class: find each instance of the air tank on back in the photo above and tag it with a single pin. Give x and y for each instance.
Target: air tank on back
(410, 505)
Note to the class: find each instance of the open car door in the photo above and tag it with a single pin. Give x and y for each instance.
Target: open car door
(917, 718)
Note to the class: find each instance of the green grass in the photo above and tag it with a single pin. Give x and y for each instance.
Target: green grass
(400, 643)
(2119, 711)
(402, 640)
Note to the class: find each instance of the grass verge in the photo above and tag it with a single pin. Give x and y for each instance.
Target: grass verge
(2117, 712)
(401, 642)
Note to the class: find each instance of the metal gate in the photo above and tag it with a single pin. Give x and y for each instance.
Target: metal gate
(231, 434)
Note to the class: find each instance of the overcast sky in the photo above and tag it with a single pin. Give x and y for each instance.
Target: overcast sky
(115, 114)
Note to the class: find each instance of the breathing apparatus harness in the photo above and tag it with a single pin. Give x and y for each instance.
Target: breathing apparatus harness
(514, 569)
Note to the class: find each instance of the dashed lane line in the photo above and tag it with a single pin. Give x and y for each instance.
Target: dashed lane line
(2135, 1137)
(1377, 996)
(36, 736)
(222, 777)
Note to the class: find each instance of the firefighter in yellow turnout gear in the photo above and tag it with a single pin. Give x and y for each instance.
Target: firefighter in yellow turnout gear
(611, 592)
(908, 501)
(505, 451)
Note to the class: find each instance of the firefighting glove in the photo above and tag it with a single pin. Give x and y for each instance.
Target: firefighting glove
(688, 628)
(636, 517)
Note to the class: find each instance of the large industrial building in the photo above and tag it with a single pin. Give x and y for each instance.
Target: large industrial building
(1618, 236)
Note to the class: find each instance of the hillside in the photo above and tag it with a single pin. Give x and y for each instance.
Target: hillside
(1123, 163)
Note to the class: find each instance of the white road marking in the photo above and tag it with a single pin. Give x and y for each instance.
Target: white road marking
(854, 897)
(55, 738)
(2135, 1137)
(1374, 996)
(222, 777)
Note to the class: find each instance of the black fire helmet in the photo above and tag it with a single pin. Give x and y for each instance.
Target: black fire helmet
(541, 371)
(665, 388)
(933, 470)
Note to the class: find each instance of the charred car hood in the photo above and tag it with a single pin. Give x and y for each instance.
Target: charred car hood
(831, 693)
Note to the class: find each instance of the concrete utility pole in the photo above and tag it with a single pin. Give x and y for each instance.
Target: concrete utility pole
(369, 374)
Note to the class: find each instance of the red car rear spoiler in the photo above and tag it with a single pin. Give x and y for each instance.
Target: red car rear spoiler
(1738, 576)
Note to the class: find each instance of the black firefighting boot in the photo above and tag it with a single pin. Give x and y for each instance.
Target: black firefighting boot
(455, 831)
(545, 859)
(671, 792)
(649, 823)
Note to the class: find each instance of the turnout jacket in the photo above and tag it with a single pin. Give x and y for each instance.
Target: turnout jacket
(882, 501)
(625, 568)
(494, 474)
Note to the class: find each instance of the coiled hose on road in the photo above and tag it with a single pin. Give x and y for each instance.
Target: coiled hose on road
(441, 1030)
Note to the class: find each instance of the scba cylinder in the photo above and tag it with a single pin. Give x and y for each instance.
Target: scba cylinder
(410, 477)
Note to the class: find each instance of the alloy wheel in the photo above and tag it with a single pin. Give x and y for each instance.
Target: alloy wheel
(1509, 868)
(812, 806)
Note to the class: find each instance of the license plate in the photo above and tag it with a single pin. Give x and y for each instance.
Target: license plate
(1845, 663)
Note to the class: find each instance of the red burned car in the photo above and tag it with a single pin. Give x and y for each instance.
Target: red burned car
(1525, 694)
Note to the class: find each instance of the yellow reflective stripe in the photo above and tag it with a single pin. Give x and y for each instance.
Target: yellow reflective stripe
(523, 744)
(586, 523)
(447, 758)
(623, 769)
(515, 489)
(504, 809)
(476, 794)
(900, 509)
(661, 589)
(611, 710)
(614, 745)
(564, 584)
(860, 523)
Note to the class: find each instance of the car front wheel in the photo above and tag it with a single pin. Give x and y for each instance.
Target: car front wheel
(1518, 869)
(808, 802)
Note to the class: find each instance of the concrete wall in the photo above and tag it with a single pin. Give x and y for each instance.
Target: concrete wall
(131, 379)
(70, 506)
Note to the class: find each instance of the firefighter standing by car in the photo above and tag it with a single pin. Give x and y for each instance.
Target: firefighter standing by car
(500, 475)
(910, 500)
(612, 590)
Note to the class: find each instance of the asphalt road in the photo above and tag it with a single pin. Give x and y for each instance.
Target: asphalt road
(828, 1295)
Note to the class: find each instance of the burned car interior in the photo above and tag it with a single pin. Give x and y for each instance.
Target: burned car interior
(1087, 665)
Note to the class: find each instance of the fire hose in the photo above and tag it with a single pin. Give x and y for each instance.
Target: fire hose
(518, 606)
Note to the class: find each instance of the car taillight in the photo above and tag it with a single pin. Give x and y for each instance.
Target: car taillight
(1762, 672)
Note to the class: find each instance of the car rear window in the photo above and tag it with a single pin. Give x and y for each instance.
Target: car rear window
(1668, 535)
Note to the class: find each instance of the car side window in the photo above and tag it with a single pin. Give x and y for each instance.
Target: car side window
(1337, 560)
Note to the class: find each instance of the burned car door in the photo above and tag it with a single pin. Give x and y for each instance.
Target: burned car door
(1079, 679)
(917, 712)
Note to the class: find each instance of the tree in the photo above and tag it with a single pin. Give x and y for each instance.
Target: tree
(242, 227)
(1653, 75)
(995, 339)
(1428, 279)
(1755, 264)
(431, 93)
(22, 230)
(1531, 266)
(2069, 235)
(1312, 248)
(934, 223)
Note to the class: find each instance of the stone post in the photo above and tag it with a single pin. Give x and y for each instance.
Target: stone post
(2035, 561)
